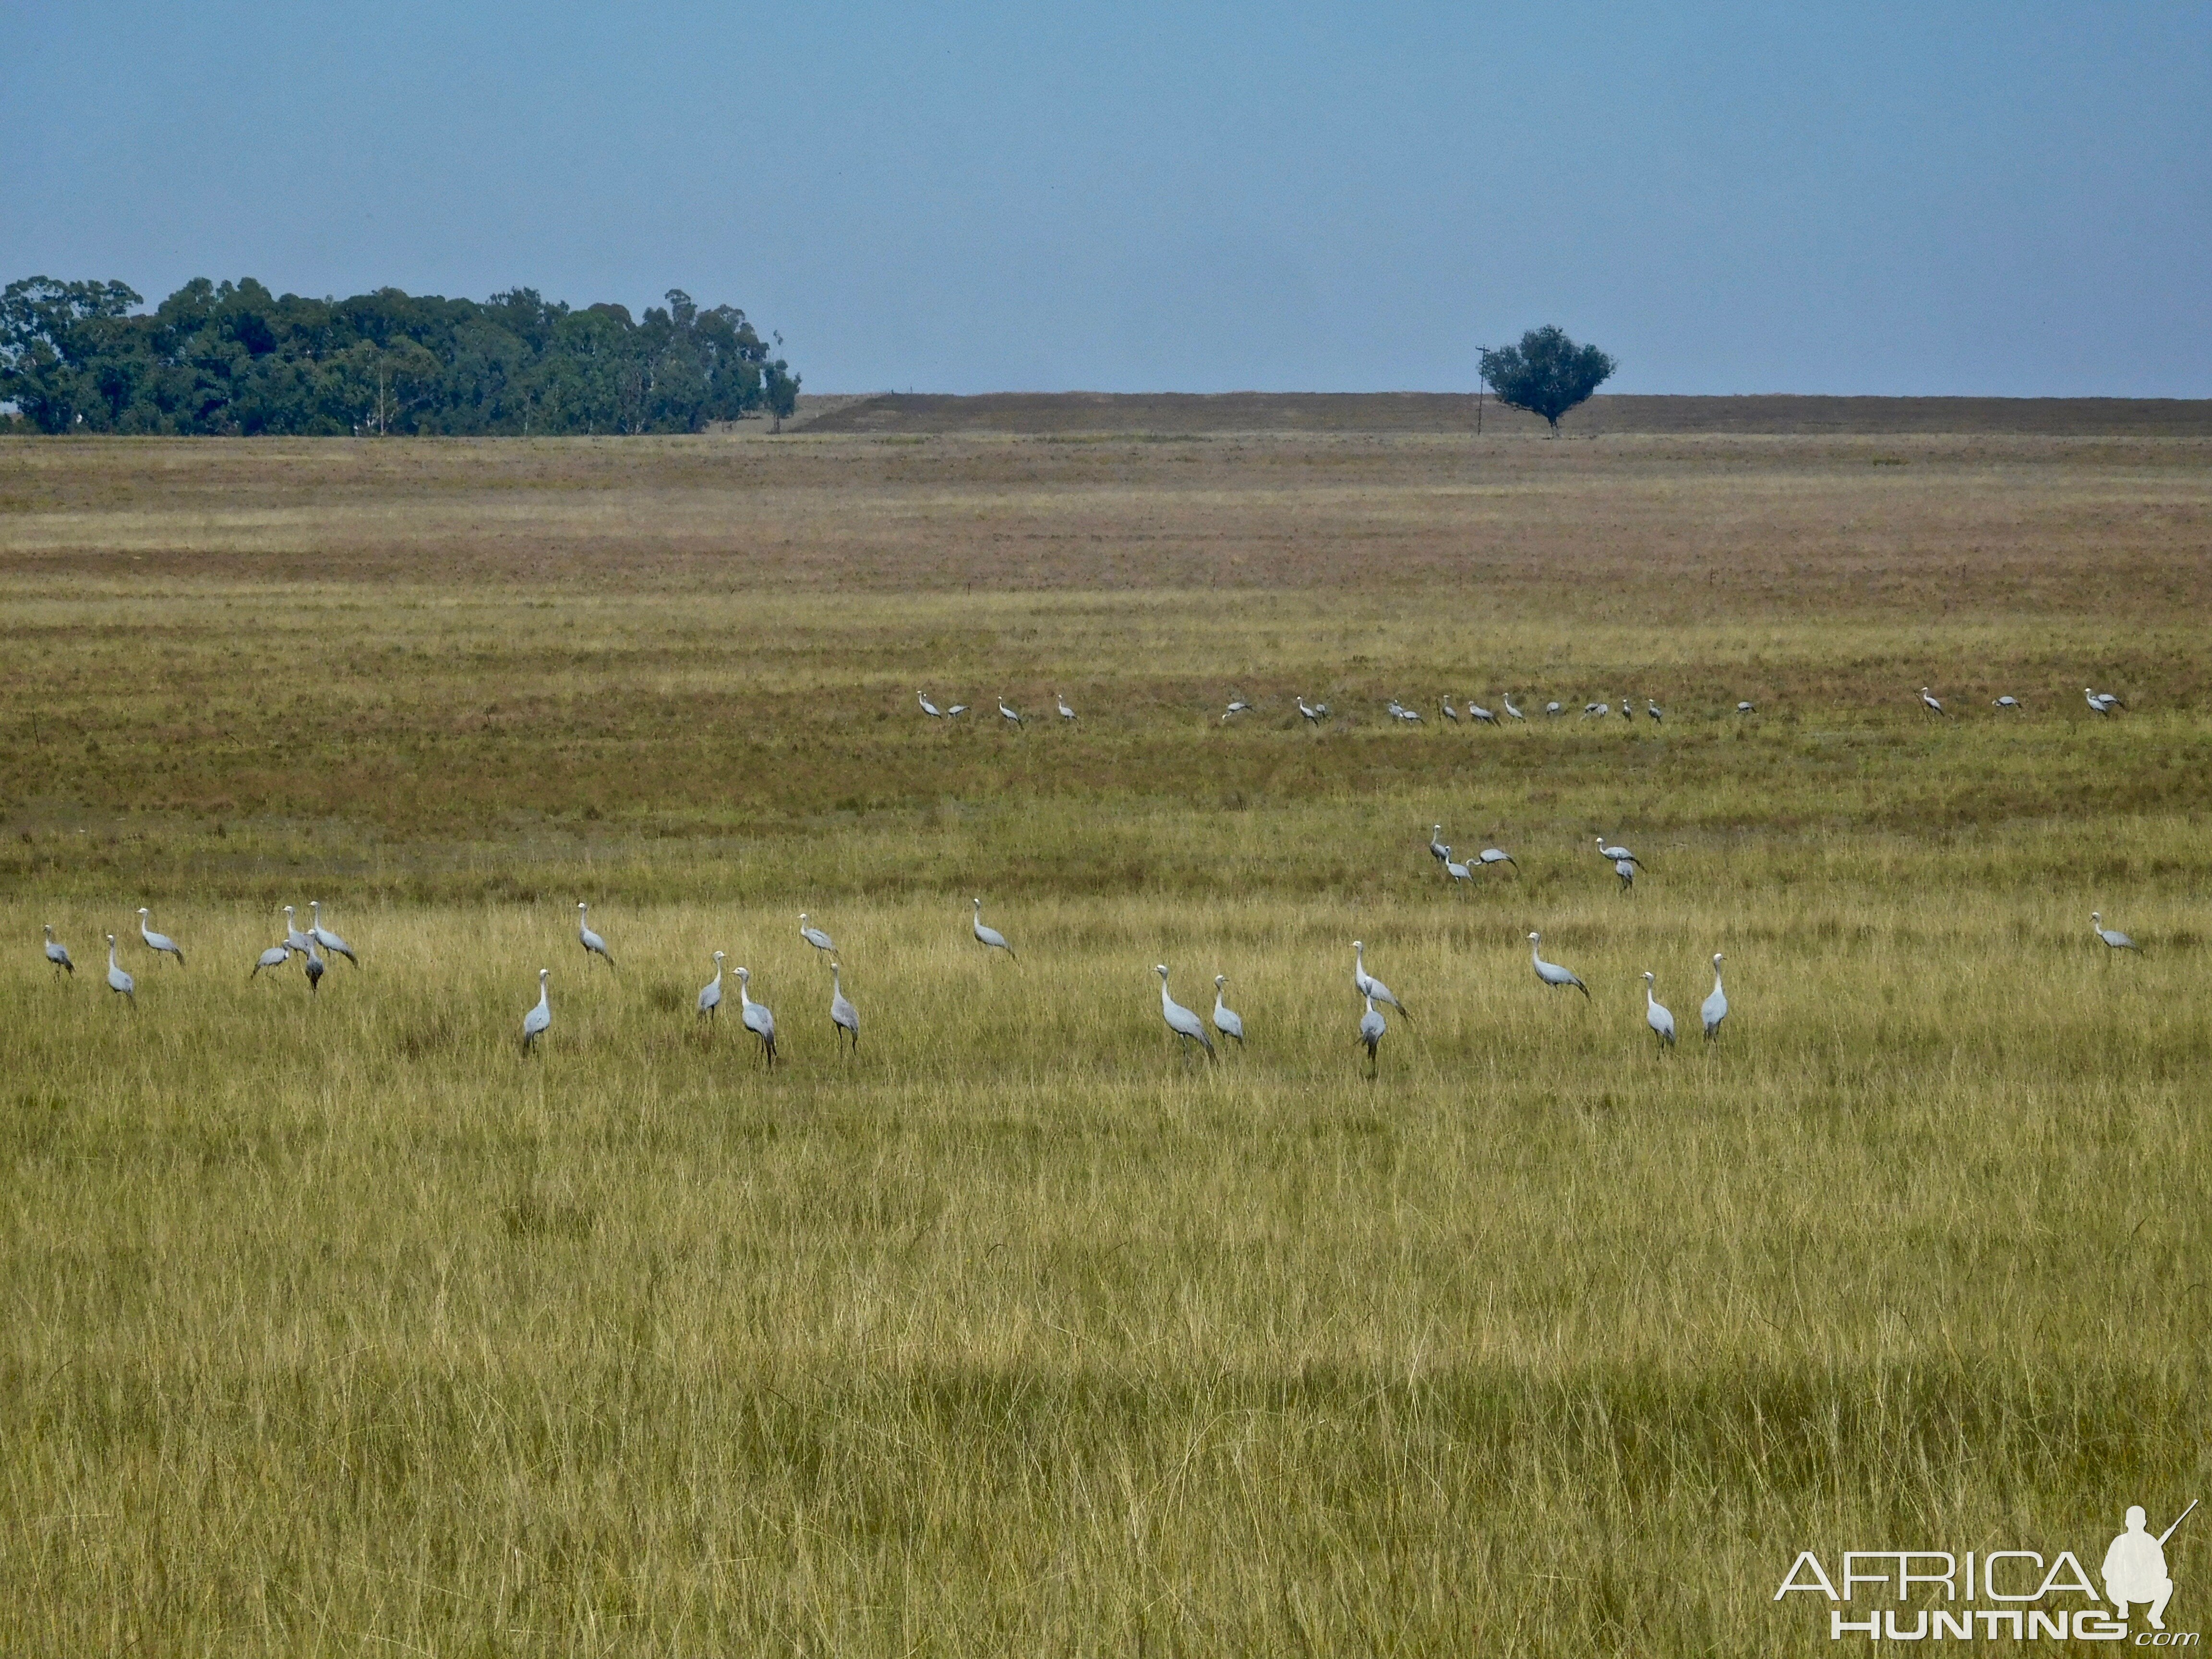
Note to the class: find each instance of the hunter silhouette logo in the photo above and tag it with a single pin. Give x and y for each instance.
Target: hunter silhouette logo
(2135, 1567)
(1992, 1594)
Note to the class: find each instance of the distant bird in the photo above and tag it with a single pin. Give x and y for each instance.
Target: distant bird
(758, 1020)
(1511, 713)
(117, 979)
(1367, 985)
(815, 936)
(58, 953)
(1060, 702)
(990, 937)
(1314, 712)
(593, 943)
(1184, 1022)
(929, 708)
(1930, 703)
(1497, 855)
(1438, 850)
(1597, 710)
(1745, 708)
(2102, 702)
(1449, 713)
(316, 966)
(1654, 710)
(2114, 939)
(1226, 1020)
(1456, 870)
(1410, 716)
(1012, 717)
(1657, 1017)
(535, 1022)
(275, 956)
(161, 944)
(1550, 972)
(1237, 705)
(1371, 1033)
(2008, 702)
(1617, 853)
(1628, 711)
(1626, 869)
(327, 939)
(1476, 711)
(844, 1018)
(1714, 1009)
(956, 711)
(710, 993)
(294, 940)
(1553, 709)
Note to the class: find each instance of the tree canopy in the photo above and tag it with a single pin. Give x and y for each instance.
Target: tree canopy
(1546, 374)
(232, 358)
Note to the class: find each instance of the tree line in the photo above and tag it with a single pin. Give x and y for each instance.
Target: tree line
(232, 359)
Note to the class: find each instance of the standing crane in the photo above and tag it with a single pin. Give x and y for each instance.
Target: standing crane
(1657, 1015)
(710, 993)
(1226, 1020)
(1511, 713)
(294, 940)
(160, 944)
(1443, 705)
(1617, 853)
(1060, 702)
(1456, 870)
(1012, 717)
(929, 708)
(275, 956)
(1931, 704)
(58, 953)
(2011, 703)
(758, 1018)
(990, 937)
(1367, 985)
(1714, 1010)
(1371, 1033)
(117, 981)
(316, 966)
(1550, 972)
(324, 937)
(1438, 850)
(1314, 712)
(815, 936)
(1626, 869)
(1184, 1024)
(2114, 939)
(844, 1018)
(593, 943)
(1654, 710)
(535, 1022)
(1476, 712)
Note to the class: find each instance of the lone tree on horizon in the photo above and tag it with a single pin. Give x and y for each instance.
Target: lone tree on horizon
(1546, 374)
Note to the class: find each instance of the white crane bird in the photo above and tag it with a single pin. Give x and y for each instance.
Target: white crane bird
(1012, 717)
(1456, 870)
(1496, 856)
(1449, 713)
(929, 708)
(1714, 1009)
(294, 940)
(1626, 869)
(844, 1018)
(1226, 1020)
(1314, 712)
(2114, 939)
(955, 711)
(593, 943)
(1476, 712)
(275, 956)
(1438, 850)
(316, 966)
(117, 981)
(1371, 1033)
(1367, 985)
(1511, 713)
(1237, 705)
(324, 937)
(1181, 1020)
(815, 936)
(1550, 972)
(758, 1018)
(2011, 703)
(1653, 710)
(2102, 703)
(1657, 1015)
(1550, 708)
(1745, 708)
(1060, 702)
(58, 953)
(535, 1022)
(990, 937)
(710, 993)
(1597, 710)
(160, 944)
(1932, 704)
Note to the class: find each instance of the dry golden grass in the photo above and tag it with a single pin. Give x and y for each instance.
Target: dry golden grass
(335, 1325)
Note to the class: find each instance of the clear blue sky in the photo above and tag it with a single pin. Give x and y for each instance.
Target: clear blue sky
(2006, 199)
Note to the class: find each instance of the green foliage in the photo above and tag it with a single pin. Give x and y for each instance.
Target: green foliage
(1546, 374)
(232, 358)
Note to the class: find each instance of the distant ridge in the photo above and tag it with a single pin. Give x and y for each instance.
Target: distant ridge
(1046, 413)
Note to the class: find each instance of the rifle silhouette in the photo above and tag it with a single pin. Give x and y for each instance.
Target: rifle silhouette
(2176, 1527)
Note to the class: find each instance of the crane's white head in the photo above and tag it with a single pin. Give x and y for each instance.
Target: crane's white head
(978, 903)
(717, 958)
(543, 973)
(111, 941)
(1534, 938)
(1648, 980)
(1221, 979)
(2098, 917)
(747, 974)
(581, 906)
(1161, 969)
(1716, 958)
(144, 913)
(50, 930)
(802, 918)
(1358, 948)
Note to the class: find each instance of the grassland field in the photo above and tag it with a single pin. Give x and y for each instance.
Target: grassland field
(336, 1325)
